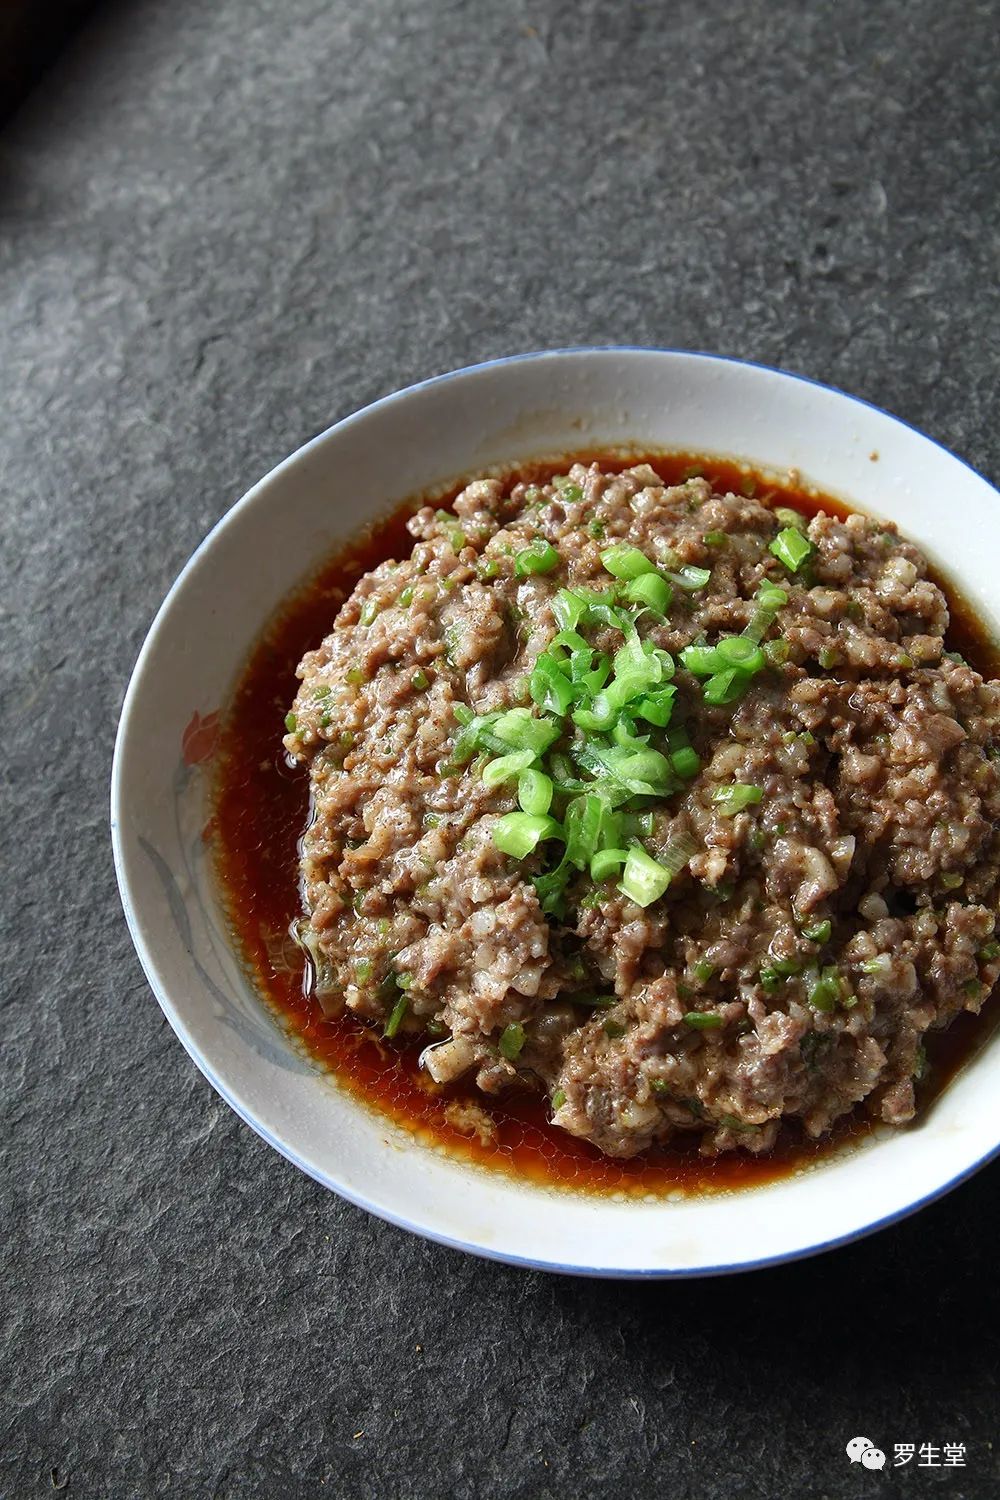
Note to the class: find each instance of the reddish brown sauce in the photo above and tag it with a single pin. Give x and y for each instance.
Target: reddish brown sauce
(260, 812)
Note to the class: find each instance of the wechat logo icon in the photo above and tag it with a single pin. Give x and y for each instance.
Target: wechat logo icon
(862, 1450)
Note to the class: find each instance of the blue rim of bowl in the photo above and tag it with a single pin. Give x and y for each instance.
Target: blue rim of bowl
(653, 1273)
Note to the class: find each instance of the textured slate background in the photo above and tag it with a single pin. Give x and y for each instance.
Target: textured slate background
(222, 227)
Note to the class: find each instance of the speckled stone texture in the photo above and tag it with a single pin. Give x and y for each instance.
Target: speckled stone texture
(221, 227)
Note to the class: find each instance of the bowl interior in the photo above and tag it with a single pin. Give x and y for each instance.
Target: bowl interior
(461, 424)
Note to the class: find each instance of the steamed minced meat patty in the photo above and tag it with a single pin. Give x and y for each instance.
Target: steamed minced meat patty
(756, 853)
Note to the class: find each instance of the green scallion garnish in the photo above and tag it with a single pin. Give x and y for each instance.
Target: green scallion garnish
(512, 1040)
(791, 548)
(650, 591)
(689, 578)
(539, 557)
(623, 561)
(725, 687)
(826, 990)
(739, 652)
(519, 833)
(788, 517)
(733, 799)
(643, 880)
(534, 792)
(396, 1016)
(507, 767)
(685, 762)
(606, 863)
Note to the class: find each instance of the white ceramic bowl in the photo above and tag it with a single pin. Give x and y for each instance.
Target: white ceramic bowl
(459, 424)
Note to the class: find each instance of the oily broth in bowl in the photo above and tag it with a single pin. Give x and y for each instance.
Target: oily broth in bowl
(261, 808)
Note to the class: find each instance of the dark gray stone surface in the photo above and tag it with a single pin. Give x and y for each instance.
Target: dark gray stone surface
(221, 227)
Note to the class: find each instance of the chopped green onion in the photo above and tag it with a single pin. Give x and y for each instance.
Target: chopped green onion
(558, 1098)
(550, 887)
(656, 707)
(777, 651)
(606, 863)
(549, 685)
(362, 969)
(702, 970)
(463, 713)
(572, 640)
(951, 880)
(771, 595)
(769, 599)
(988, 952)
(677, 855)
(396, 1017)
(819, 932)
(733, 799)
(651, 591)
(420, 680)
(703, 1020)
(792, 548)
(534, 792)
(291, 723)
(789, 517)
(644, 771)
(568, 608)
(512, 1040)
(690, 578)
(685, 762)
(453, 532)
(406, 597)
(737, 651)
(614, 1030)
(584, 822)
(724, 687)
(828, 657)
(641, 825)
(519, 833)
(826, 990)
(520, 729)
(506, 767)
(701, 661)
(539, 557)
(570, 492)
(644, 880)
(623, 561)
(487, 568)
(715, 538)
